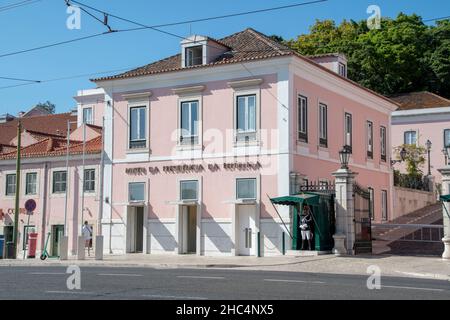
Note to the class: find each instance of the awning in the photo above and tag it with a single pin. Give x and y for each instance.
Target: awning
(445, 198)
(310, 199)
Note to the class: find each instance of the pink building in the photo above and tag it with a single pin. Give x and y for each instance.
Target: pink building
(46, 179)
(195, 144)
(423, 116)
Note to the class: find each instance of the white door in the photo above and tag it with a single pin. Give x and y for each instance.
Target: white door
(246, 230)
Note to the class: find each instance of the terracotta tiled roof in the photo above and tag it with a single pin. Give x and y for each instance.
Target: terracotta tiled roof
(55, 124)
(4, 148)
(420, 100)
(245, 46)
(54, 147)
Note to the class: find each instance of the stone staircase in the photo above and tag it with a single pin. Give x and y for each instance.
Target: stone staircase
(389, 240)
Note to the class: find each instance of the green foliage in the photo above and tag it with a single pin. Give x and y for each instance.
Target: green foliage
(50, 107)
(415, 158)
(405, 55)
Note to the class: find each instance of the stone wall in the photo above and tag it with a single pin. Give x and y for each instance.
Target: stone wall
(410, 200)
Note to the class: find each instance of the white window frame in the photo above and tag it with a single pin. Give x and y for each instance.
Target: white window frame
(346, 142)
(302, 117)
(370, 140)
(85, 180)
(145, 191)
(323, 125)
(26, 184)
(247, 92)
(383, 143)
(384, 205)
(187, 56)
(371, 202)
(181, 182)
(342, 69)
(91, 120)
(135, 105)
(52, 186)
(198, 139)
(410, 131)
(6, 184)
(445, 130)
(256, 188)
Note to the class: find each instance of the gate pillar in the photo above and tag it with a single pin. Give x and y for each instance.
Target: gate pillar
(344, 238)
(446, 210)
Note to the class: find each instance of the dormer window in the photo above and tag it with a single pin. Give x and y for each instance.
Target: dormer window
(194, 56)
(342, 70)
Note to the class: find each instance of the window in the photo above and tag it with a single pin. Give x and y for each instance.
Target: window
(89, 180)
(194, 56)
(410, 137)
(31, 184)
(59, 181)
(342, 70)
(384, 205)
(136, 192)
(246, 189)
(10, 184)
(189, 190)
(370, 139)
(87, 116)
(348, 131)
(246, 117)
(303, 119)
(138, 136)
(371, 203)
(323, 125)
(189, 122)
(446, 137)
(383, 141)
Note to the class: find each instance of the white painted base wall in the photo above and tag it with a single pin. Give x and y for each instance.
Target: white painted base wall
(216, 237)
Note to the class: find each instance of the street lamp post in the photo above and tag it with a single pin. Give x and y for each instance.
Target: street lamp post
(344, 156)
(428, 145)
(403, 154)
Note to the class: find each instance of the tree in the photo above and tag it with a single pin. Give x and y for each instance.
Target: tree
(50, 107)
(405, 55)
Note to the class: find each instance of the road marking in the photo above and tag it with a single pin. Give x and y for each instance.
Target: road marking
(47, 273)
(173, 297)
(72, 292)
(293, 281)
(413, 288)
(199, 277)
(120, 275)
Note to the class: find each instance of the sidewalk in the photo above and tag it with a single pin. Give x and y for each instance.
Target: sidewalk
(398, 266)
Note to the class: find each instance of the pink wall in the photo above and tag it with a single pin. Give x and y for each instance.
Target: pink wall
(55, 203)
(434, 131)
(318, 163)
(218, 100)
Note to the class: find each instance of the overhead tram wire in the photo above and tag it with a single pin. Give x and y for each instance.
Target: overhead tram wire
(142, 27)
(18, 4)
(18, 79)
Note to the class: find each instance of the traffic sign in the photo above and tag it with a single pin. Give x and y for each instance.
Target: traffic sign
(30, 205)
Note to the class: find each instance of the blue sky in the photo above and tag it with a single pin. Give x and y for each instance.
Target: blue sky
(44, 22)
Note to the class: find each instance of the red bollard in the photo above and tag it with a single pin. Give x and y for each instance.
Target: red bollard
(32, 242)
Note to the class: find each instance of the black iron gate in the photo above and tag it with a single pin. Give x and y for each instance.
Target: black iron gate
(363, 221)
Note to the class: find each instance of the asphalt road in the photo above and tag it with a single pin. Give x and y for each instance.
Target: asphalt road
(49, 283)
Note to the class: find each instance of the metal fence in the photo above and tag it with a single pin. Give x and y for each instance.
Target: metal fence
(408, 232)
